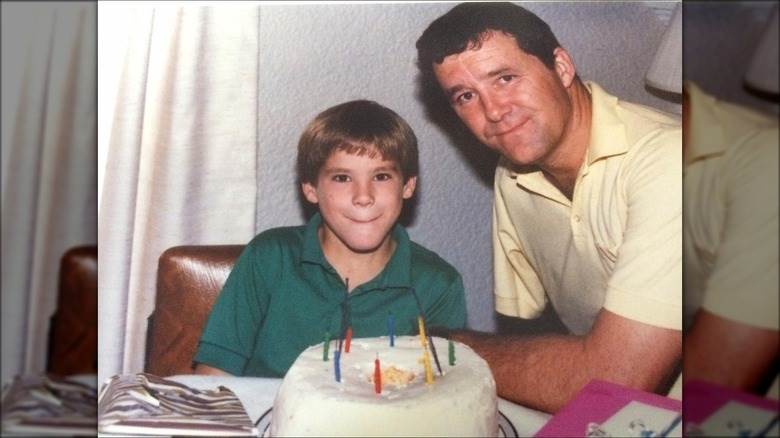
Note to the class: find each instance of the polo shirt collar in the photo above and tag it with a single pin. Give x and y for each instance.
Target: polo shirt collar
(607, 130)
(607, 138)
(312, 250)
(706, 135)
(397, 272)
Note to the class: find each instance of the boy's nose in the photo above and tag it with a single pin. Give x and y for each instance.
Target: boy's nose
(363, 196)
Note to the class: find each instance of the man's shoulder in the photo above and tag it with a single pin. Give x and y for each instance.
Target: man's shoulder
(632, 124)
(642, 121)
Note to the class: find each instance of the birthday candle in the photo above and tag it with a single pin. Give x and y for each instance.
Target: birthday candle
(377, 376)
(336, 359)
(428, 368)
(422, 331)
(452, 352)
(349, 339)
(435, 356)
(325, 346)
(391, 329)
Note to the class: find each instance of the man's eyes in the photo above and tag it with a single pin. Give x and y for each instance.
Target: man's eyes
(464, 97)
(506, 78)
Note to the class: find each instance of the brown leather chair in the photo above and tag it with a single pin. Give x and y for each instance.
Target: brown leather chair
(73, 327)
(189, 278)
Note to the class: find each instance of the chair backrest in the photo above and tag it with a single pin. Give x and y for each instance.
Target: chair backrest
(189, 279)
(73, 330)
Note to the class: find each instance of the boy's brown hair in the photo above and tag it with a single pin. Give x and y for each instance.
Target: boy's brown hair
(357, 127)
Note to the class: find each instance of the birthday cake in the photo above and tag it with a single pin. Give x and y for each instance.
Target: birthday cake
(383, 390)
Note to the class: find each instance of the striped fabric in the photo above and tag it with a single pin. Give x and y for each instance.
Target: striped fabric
(43, 404)
(147, 404)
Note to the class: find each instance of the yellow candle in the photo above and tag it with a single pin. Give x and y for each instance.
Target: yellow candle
(423, 339)
(428, 368)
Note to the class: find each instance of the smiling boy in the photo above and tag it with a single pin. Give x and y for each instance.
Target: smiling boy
(352, 265)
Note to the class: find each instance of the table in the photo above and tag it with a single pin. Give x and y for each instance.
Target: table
(257, 395)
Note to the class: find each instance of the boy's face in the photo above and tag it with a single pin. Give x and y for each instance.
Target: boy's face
(360, 199)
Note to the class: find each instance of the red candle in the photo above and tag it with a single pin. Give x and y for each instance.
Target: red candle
(377, 377)
(349, 339)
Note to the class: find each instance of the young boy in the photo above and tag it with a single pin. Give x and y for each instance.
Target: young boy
(351, 266)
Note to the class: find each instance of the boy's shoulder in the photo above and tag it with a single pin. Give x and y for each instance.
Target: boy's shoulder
(426, 260)
(288, 237)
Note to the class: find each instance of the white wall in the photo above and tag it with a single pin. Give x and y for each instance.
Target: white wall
(314, 56)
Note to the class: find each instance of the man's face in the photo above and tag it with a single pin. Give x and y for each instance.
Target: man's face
(509, 99)
(360, 199)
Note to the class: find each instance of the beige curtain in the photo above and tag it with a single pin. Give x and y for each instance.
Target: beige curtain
(179, 157)
(49, 201)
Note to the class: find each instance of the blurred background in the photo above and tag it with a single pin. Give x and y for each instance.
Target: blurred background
(49, 186)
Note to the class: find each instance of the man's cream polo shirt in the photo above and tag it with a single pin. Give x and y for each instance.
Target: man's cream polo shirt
(731, 226)
(616, 245)
(730, 218)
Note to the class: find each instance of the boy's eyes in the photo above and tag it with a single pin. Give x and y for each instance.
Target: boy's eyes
(383, 177)
(342, 178)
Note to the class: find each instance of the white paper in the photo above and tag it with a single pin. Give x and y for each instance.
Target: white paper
(735, 418)
(637, 417)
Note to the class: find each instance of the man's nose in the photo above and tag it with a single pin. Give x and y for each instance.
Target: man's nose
(495, 107)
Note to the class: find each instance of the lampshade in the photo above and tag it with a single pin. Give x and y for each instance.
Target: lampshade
(762, 71)
(665, 72)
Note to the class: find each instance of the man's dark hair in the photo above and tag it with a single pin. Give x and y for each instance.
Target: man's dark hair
(468, 24)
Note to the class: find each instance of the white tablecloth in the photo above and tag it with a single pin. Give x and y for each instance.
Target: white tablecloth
(257, 394)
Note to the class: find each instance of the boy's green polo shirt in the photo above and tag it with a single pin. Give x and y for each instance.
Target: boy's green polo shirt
(283, 296)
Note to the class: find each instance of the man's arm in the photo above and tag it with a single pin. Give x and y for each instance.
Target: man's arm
(545, 372)
(730, 353)
(209, 370)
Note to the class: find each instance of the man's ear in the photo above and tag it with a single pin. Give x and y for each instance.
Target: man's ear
(564, 66)
(309, 192)
(409, 187)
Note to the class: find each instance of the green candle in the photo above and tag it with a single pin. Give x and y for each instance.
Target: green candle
(325, 346)
(452, 352)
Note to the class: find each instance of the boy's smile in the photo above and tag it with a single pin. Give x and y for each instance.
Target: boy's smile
(360, 198)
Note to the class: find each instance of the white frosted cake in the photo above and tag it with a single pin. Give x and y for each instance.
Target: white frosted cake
(461, 402)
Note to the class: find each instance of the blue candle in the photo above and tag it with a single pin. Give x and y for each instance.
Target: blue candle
(391, 329)
(337, 360)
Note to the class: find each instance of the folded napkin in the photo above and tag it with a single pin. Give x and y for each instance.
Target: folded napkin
(145, 404)
(44, 404)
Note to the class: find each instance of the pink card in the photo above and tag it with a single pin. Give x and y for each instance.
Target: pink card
(597, 403)
(705, 403)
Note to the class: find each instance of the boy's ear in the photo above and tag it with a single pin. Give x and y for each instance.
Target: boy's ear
(409, 187)
(309, 192)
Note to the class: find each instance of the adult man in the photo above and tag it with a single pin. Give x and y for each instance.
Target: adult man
(587, 210)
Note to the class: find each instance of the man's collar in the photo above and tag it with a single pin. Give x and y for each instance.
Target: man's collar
(607, 130)
(705, 133)
(607, 138)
